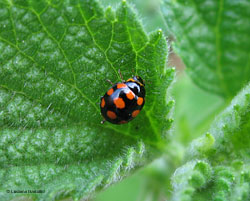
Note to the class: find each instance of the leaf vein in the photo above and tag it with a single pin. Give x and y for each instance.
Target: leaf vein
(92, 35)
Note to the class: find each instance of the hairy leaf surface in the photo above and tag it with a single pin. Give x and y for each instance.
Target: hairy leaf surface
(219, 167)
(55, 57)
(212, 37)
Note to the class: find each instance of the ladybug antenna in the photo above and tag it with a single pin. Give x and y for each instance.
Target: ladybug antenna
(119, 71)
(109, 81)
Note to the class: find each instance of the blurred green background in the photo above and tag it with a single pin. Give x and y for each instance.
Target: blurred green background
(194, 111)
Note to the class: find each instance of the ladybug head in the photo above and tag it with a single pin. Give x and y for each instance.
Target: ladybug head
(139, 79)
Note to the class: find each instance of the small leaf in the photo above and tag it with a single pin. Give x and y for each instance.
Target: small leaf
(54, 59)
(213, 39)
(193, 176)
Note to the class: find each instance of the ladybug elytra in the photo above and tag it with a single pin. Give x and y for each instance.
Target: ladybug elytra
(123, 101)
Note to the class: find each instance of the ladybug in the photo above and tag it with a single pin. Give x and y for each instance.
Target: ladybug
(123, 101)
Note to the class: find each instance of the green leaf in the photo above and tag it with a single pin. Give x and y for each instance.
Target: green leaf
(225, 150)
(149, 10)
(213, 39)
(55, 57)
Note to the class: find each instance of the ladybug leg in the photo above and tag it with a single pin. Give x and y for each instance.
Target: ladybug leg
(110, 82)
(103, 121)
(119, 71)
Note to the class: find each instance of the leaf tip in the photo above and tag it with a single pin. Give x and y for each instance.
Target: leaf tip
(159, 31)
(202, 145)
(124, 2)
(109, 14)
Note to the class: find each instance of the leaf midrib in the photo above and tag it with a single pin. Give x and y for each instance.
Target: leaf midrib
(216, 30)
(218, 48)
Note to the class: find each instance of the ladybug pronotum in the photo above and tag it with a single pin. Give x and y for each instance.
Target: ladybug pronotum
(123, 101)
